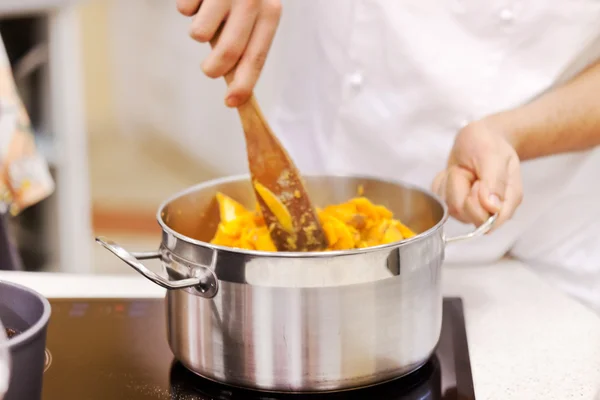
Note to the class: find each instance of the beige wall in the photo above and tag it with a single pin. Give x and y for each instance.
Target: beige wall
(99, 90)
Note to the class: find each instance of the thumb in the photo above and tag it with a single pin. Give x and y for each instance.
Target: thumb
(492, 177)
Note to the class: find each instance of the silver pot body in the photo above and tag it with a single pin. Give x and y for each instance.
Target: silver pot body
(301, 322)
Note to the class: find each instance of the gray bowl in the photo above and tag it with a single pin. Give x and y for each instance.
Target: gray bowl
(27, 312)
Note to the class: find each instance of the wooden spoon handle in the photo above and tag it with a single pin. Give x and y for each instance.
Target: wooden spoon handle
(250, 112)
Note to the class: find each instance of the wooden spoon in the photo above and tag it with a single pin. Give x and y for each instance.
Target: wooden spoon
(279, 188)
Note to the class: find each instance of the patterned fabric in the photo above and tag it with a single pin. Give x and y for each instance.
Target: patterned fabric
(24, 175)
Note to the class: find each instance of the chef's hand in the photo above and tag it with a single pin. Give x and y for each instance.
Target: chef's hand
(483, 176)
(245, 39)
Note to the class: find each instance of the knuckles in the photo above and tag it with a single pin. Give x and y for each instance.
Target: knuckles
(200, 34)
(188, 7)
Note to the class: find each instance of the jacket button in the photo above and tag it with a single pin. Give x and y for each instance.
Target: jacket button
(356, 80)
(506, 15)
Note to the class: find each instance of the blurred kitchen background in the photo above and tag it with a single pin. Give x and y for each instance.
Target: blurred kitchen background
(125, 116)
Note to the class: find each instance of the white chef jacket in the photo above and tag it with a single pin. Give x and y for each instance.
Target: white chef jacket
(381, 87)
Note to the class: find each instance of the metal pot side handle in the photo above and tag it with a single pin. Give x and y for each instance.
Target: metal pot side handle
(205, 286)
(482, 230)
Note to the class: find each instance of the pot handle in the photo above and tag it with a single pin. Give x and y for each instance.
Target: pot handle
(206, 285)
(482, 230)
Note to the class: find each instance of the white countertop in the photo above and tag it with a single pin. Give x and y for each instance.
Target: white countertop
(527, 341)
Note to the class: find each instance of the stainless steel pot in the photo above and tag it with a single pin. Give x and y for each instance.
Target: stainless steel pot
(300, 322)
(28, 312)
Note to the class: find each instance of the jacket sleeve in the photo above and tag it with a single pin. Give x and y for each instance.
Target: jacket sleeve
(24, 174)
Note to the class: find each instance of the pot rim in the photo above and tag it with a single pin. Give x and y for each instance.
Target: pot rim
(297, 254)
(35, 328)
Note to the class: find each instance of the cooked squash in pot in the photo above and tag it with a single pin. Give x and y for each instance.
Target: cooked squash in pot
(355, 224)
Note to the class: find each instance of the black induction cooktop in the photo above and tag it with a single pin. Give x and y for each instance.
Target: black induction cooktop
(102, 349)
